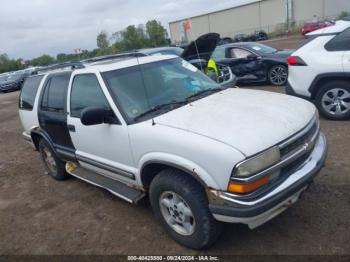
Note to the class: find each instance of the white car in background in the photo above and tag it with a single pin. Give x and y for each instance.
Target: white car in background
(320, 70)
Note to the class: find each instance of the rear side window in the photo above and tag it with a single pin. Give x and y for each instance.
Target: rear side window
(339, 43)
(54, 97)
(28, 93)
(86, 92)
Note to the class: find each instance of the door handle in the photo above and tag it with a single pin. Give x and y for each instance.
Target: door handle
(71, 128)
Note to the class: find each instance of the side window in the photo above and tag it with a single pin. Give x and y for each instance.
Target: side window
(86, 92)
(219, 53)
(28, 93)
(339, 43)
(239, 53)
(54, 97)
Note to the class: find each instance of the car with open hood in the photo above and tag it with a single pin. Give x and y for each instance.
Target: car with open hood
(199, 53)
(157, 126)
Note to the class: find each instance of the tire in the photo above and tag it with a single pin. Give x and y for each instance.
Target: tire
(278, 75)
(54, 166)
(333, 100)
(205, 229)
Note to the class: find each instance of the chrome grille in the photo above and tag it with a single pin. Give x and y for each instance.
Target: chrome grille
(293, 145)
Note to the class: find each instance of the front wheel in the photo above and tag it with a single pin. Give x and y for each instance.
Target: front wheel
(181, 205)
(278, 75)
(333, 100)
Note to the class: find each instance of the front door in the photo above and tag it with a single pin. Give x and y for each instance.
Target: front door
(103, 148)
(245, 66)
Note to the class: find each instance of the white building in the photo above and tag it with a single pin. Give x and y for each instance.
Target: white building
(269, 15)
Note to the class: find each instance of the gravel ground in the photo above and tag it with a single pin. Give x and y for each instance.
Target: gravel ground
(41, 216)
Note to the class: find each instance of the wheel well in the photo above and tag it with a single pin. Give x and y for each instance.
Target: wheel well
(319, 83)
(36, 139)
(149, 172)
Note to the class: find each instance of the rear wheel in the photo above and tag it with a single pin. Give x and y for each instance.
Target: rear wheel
(278, 75)
(333, 100)
(54, 166)
(181, 205)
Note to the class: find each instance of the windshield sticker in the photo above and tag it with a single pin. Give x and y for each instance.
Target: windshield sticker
(257, 48)
(188, 66)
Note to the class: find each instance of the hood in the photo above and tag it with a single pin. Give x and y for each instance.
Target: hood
(248, 120)
(206, 45)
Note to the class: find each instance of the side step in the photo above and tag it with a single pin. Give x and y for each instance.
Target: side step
(117, 188)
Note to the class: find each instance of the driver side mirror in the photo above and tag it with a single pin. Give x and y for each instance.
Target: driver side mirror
(91, 116)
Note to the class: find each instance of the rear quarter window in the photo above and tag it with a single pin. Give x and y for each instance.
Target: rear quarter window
(339, 43)
(54, 96)
(28, 93)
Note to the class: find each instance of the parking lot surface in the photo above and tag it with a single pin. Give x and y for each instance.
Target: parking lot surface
(41, 216)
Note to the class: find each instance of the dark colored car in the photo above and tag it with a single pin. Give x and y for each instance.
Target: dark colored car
(13, 82)
(254, 62)
(259, 35)
(313, 26)
(241, 38)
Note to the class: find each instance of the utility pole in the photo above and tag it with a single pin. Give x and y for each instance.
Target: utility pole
(323, 9)
(260, 14)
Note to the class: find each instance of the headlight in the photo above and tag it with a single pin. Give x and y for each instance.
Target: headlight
(258, 163)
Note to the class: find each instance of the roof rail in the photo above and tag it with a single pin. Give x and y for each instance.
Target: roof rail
(113, 57)
(65, 65)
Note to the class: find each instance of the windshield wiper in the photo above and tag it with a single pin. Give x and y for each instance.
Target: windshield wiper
(170, 105)
(203, 92)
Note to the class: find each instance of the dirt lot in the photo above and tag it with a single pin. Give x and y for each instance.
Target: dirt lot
(41, 216)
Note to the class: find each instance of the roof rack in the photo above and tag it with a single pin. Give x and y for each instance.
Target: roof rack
(113, 57)
(63, 66)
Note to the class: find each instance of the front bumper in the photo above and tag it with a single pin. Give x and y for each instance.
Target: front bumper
(226, 207)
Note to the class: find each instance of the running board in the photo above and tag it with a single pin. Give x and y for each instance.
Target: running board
(117, 188)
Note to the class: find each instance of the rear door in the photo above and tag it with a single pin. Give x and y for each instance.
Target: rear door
(52, 112)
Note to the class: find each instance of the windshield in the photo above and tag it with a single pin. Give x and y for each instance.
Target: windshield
(264, 49)
(139, 89)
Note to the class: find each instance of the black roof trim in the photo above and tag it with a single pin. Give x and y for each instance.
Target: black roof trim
(66, 65)
(112, 57)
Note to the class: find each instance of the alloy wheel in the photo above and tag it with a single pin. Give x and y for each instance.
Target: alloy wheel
(278, 75)
(336, 101)
(49, 160)
(177, 213)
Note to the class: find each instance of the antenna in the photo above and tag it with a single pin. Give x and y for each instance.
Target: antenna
(199, 58)
(144, 84)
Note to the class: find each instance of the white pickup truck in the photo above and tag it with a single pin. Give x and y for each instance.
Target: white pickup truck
(157, 126)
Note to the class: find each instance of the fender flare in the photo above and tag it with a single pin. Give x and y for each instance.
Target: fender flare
(314, 85)
(191, 168)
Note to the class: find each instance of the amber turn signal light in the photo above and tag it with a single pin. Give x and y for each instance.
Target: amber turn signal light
(235, 187)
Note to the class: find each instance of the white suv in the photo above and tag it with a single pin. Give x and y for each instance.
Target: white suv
(158, 126)
(320, 70)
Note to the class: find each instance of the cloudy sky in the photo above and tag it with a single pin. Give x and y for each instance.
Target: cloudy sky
(29, 28)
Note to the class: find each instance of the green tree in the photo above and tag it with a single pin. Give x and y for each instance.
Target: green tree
(102, 40)
(7, 64)
(157, 34)
(42, 60)
(343, 15)
(133, 38)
